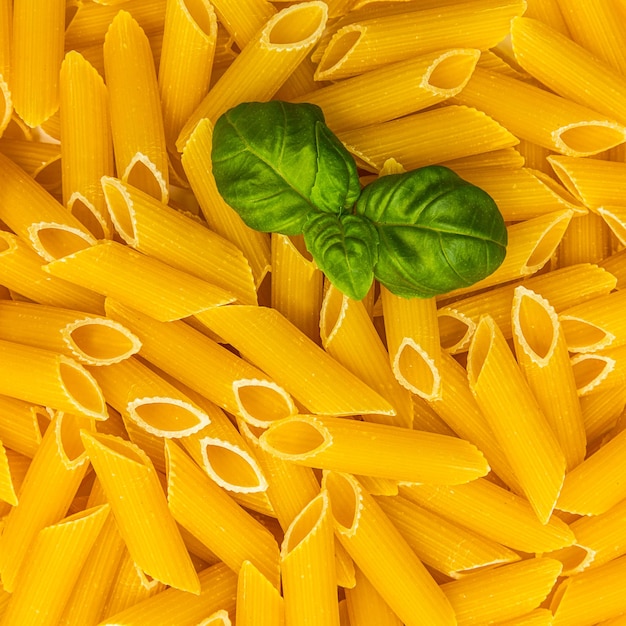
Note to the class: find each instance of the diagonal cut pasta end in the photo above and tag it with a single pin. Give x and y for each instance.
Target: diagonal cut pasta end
(296, 438)
(262, 402)
(53, 240)
(167, 417)
(142, 172)
(416, 370)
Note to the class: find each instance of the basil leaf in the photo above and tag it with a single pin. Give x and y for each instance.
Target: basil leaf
(345, 249)
(275, 162)
(436, 231)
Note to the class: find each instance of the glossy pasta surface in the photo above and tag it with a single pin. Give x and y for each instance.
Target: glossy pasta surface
(197, 428)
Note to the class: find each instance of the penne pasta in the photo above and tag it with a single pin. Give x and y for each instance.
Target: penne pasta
(307, 567)
(219, 618)
(37, 52)
(349, 336)
(435, 540)
(48, 378)
(244, 20)
(493, 512)
(215, 519)
(22, 273)
(57, 470)
(418, 83)
(541, 117)
(264, 64)
(379, 450)
(41, 161)
(399, 139)
(196, 161)
(359, 524)
(601, 410)
(368, 44)
(90, 339)
(502, 593)
(136, 119)
(84, 104)
(178, 240)
(186, 62)
(55, 561)
(586, 240)
(258, 601)
(615, 219)
(296, 284)
(518, 424)
(366, 607)
(542, 354)
(133, 490)
(22, 425)
(267, 339)
(143, 282)
(595, 371)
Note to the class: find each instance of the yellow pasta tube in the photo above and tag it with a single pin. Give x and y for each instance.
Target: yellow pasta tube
(186, 354)
(45, 377)
(502, 593)
(391, 566)
(218, 590)
(590, 596)
(44, 223)
(541, 117)
(56, 471)
(563, 288)
(542, 354)
(22, 425)
(296, 284)
(54, 565)
(87, 155)
(615, 218)
(186, 62)
(136, 118)
(40, 160)
(588, 328)
(220, 217)
(22, 273)
(258, 601)
(371, 43)
(567, 68)
(417, 84)
(516, 420)
(435, 540)
(268, 340)
(493, 512)
(593, 487)
(264, 64)
(37, 52)
(423, 138)
(413, 342)
(215, 519)
(8, 486)
(366, 607)
(133, 489)
(178, 240)
(587, 239)
(346, 445)
(349, 336)
(90, 339)
(244, 20)
(149, 285)
(308, 568)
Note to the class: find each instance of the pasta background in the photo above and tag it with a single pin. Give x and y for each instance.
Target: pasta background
(197, 428)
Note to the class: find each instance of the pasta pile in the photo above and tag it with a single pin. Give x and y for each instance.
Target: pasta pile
(195, 428)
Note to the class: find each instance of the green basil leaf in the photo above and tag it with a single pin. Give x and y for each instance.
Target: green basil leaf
(345, 249)
(436, 231)
(275, 162)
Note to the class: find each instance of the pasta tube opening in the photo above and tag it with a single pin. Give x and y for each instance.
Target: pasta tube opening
(6, 105)
(533, 324)
(338, 51)
(304, 524)
(584, 336)
(67, 433)
(99, 341)
(87, 214)
(296, 438)
(261, 402)
(120, 206)
(451, 71)
(53, 241)
(588, 137)
(231, 467)
(615, 217)
(416, 370)
(201, 15)
(548, 242)
(455, 330)
(167, 417)
(590, 370)
(82, 389)
(345, 500)
(142, 173)
(297, 27)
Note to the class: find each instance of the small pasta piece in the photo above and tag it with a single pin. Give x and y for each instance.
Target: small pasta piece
(40, 160)
(245, 20)
(132, 487)
(264, 64)
(90, 339)
(136, 118)
(22, 425)
(143, 282)
(178, 240)
(307, 567)
(379, 450)
(258, 602)
(391, 566)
